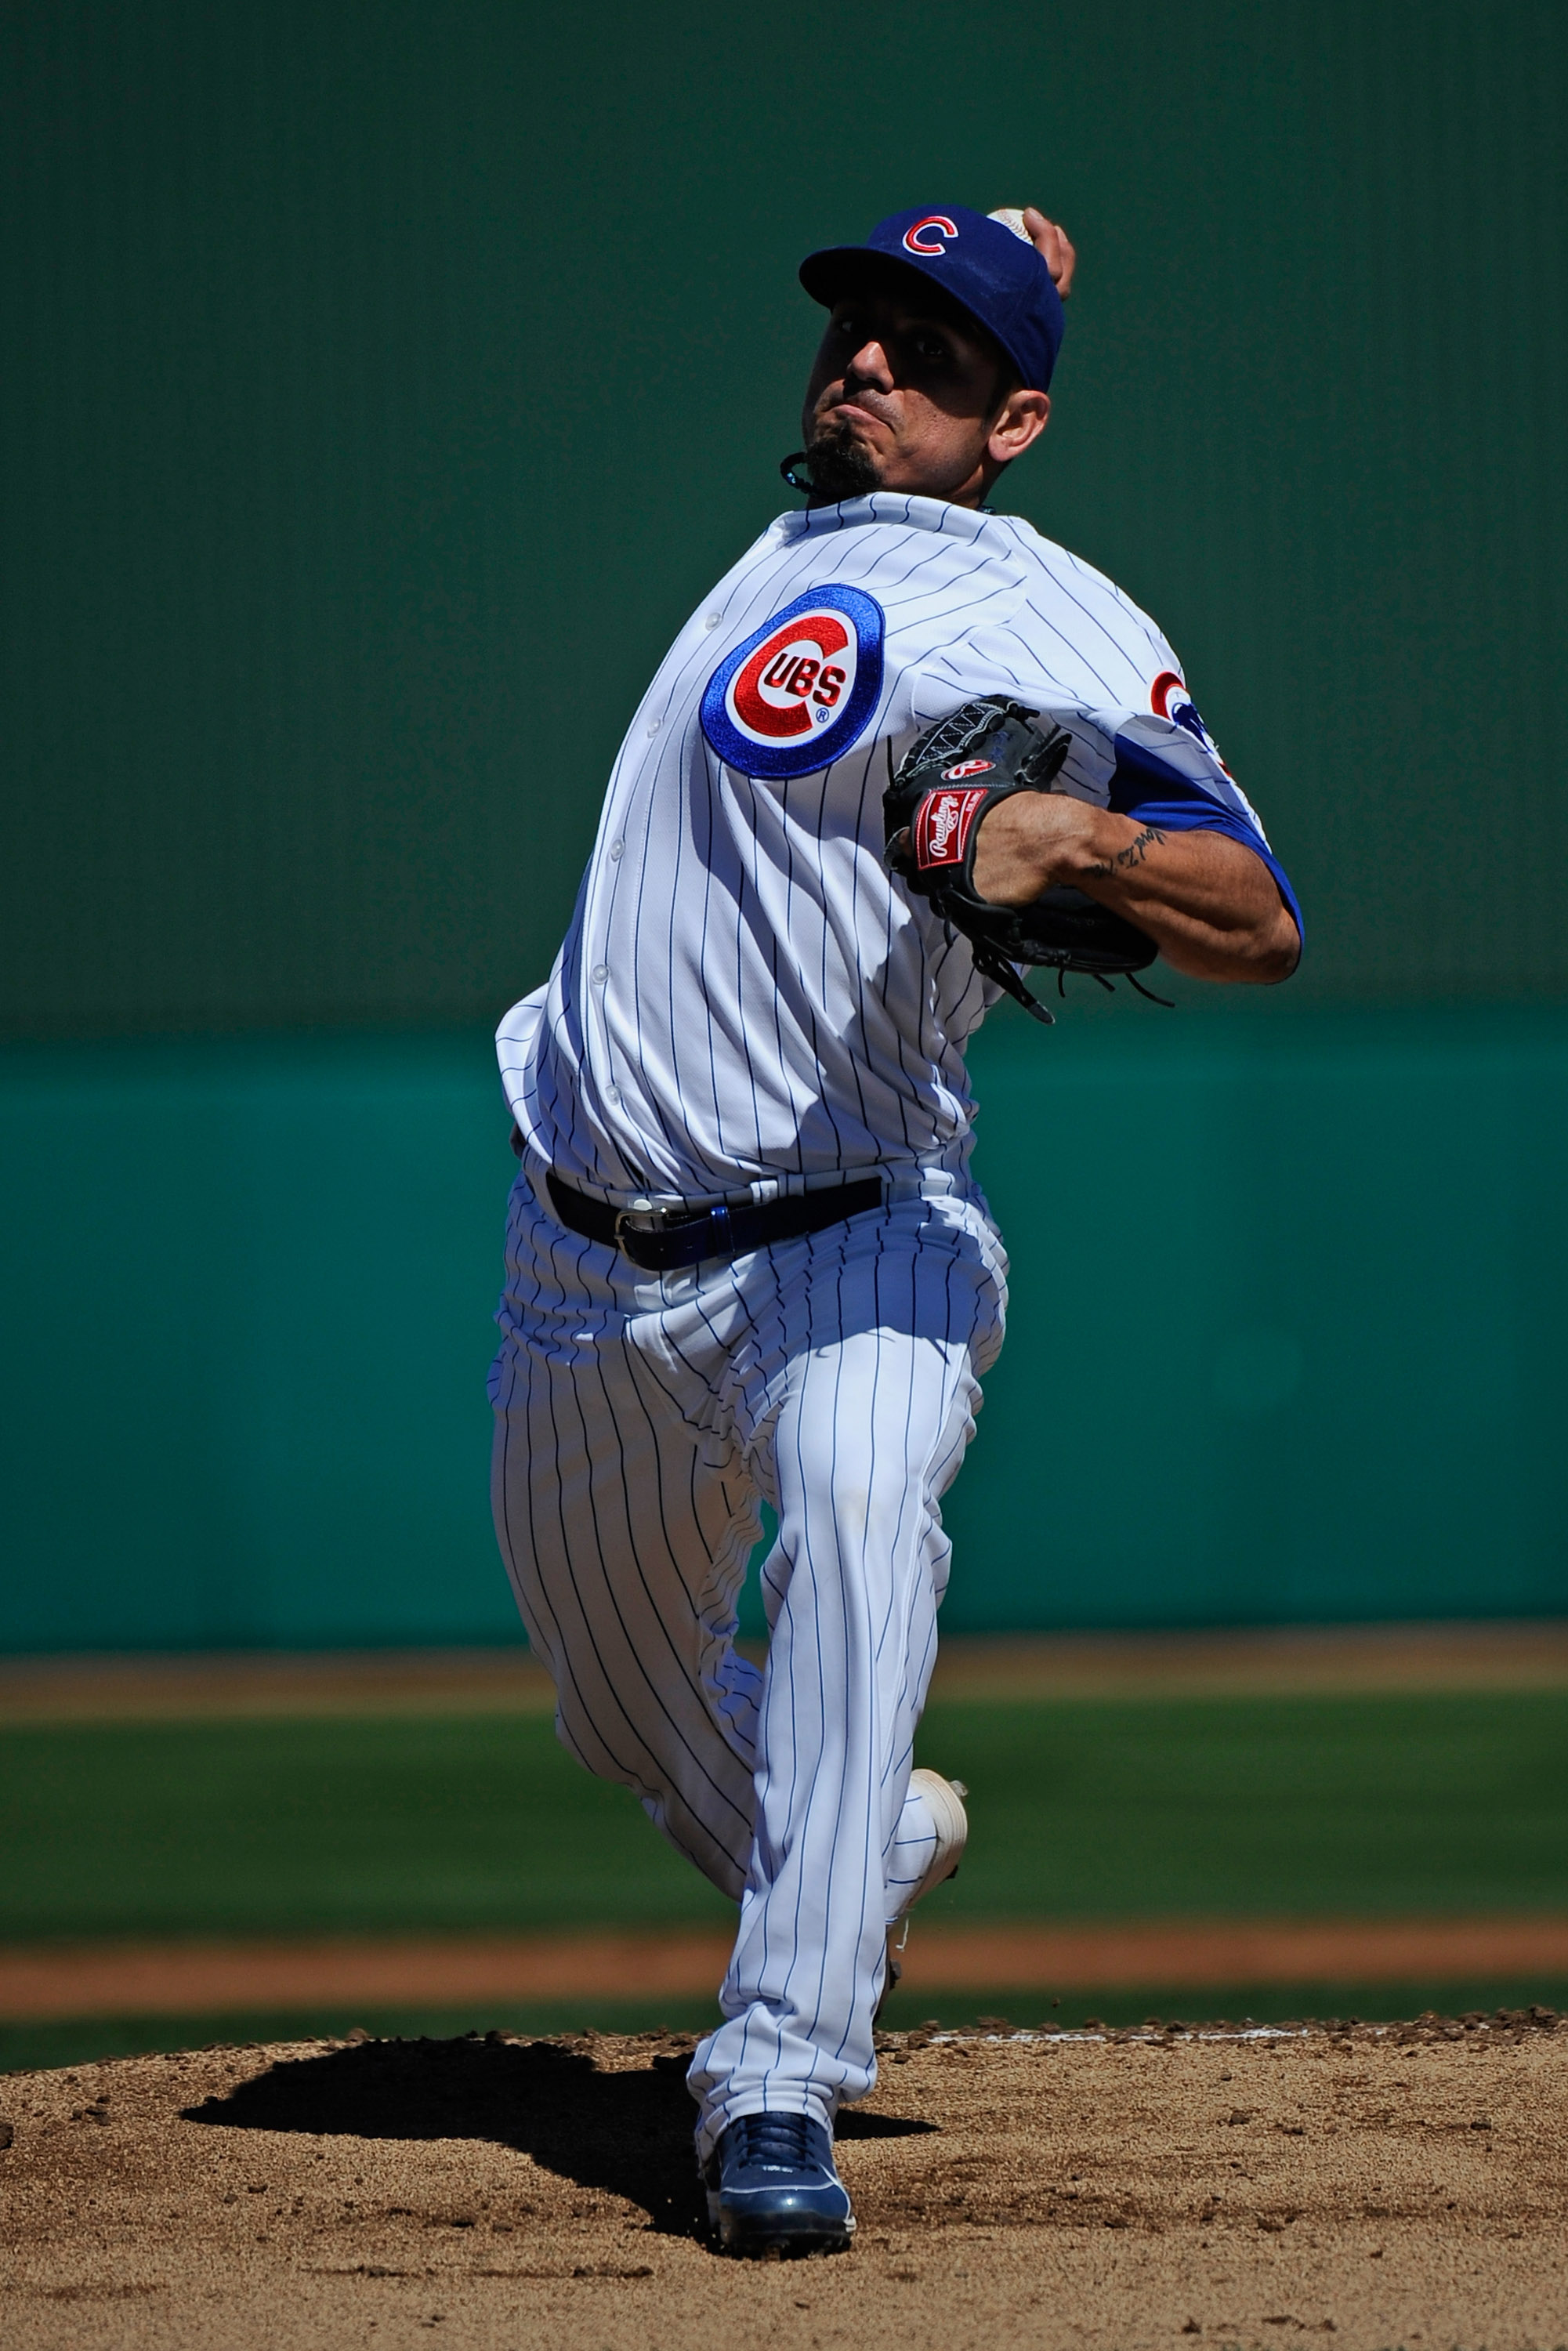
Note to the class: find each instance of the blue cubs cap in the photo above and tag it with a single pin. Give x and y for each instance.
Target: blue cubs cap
(980, 262)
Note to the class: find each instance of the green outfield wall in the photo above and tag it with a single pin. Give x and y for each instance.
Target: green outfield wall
(384, 383)
(1288, 1308)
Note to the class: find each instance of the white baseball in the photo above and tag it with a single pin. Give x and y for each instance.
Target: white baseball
(1012, 216)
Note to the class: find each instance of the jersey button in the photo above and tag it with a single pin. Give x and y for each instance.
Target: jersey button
(713, 620)
(616, 848)
(612, 1093)
(654, 724)
(601, 974)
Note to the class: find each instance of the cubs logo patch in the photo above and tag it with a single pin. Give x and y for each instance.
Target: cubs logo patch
(967, 767)
(799, 692)
(1168, 698)
(943, 824)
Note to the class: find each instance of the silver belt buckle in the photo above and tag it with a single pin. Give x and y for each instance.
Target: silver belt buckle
(638, 1220)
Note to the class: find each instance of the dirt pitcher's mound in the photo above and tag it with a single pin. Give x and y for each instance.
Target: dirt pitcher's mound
(1403, 2186)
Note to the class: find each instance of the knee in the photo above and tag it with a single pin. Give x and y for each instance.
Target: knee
(843, 1525)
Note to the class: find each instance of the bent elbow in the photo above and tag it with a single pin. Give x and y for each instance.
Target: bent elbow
(1277, 953)
(1288, 946)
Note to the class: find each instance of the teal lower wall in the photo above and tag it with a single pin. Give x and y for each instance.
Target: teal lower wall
(1287, 1327)
(248, 1287)
(1289, 1317)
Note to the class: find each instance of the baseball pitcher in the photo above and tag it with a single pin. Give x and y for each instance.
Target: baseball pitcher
(906, 752)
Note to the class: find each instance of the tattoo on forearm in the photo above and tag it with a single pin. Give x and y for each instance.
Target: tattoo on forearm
(1136, 852)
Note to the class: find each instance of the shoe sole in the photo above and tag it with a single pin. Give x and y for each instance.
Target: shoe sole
(760, 2237)
(799, 2241)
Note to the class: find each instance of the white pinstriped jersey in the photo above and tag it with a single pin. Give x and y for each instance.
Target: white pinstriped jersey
(745, 997)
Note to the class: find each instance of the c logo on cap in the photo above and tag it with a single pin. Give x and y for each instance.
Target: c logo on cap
(916, 230)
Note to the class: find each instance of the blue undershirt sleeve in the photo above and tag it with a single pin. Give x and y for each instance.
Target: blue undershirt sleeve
(1164, 777)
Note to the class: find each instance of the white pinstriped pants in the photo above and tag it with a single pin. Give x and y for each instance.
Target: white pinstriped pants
(640, 1419)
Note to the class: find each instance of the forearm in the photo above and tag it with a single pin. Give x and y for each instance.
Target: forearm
(1211, 906)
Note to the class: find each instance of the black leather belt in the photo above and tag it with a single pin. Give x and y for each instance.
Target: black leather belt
(661, 1239)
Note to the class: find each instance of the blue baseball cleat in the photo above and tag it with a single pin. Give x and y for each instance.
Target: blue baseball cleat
(772, 2189)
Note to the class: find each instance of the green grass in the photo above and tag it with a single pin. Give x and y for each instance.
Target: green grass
(1302, 1806)
(1306, 1806)
(322, 1824)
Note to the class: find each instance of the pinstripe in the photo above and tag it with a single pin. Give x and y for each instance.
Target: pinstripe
(571, 1543)
(1069, 647)
(598, 1565)
(1097, 582)
(642, 1704)
(547, 1613)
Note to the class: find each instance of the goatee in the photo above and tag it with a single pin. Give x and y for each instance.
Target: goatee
(842, 466)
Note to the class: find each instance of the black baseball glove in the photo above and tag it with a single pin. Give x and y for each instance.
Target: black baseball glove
(946, 783)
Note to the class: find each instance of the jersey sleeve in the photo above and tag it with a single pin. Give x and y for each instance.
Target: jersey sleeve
(1163, 775)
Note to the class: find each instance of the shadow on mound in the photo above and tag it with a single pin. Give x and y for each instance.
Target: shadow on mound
(629, 2133)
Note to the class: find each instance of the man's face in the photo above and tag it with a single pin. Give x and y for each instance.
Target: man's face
(906, 395)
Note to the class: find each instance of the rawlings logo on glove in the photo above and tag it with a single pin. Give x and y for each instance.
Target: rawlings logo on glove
(943, 822)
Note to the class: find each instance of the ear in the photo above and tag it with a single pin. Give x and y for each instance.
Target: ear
(1022, 419)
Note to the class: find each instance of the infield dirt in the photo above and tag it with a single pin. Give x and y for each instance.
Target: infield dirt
(1368, 2187)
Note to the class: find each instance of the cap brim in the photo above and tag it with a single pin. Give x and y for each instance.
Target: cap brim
(826, 274)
